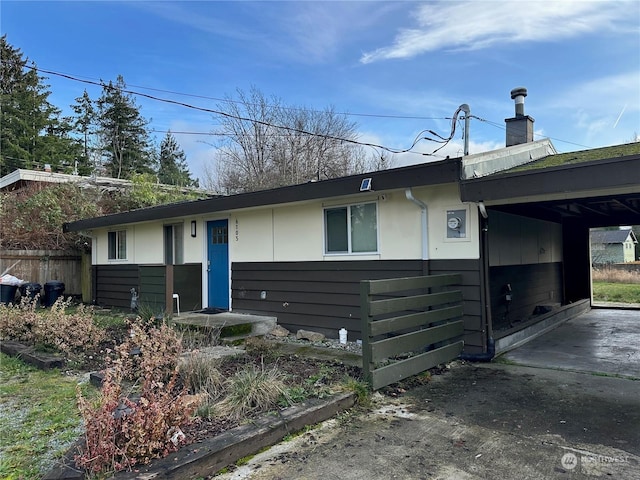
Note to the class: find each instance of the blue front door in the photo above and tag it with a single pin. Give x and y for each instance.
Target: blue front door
(218, 263)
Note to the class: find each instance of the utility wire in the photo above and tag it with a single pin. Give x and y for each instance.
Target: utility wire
(238, 117)
(503, 127)
(229, 100)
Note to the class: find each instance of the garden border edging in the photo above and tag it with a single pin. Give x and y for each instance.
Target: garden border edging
(212, 455)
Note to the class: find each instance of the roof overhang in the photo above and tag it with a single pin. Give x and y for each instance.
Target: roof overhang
(434, 173)
(603, 192)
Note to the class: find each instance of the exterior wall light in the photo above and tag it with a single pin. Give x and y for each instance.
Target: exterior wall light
(193, 228)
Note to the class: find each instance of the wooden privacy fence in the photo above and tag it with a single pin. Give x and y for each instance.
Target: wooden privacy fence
(405, 330)
(41, 266)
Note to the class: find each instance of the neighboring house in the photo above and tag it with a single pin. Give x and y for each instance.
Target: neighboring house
(519, 239)
(22, 177)
(613, 246)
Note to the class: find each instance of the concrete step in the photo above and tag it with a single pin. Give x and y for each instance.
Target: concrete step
(233, 326)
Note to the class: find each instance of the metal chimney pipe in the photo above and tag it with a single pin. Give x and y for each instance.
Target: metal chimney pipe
(518, 95)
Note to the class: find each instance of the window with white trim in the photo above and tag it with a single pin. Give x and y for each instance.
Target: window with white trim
(351, 229)
(117, 245)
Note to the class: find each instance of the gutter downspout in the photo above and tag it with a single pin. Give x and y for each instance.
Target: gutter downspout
(424, 215)
(486, 299)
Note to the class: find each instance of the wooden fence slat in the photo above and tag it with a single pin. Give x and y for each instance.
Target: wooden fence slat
(404, 322)
(367, 366)
(411, 366)
(380, 307)
(412, 283)
(414, 310)
(415, 341)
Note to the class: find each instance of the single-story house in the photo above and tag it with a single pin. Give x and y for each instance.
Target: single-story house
(613, 246)
(518, 237)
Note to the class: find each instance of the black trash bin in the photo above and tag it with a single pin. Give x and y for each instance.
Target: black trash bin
(52, 291)
(8, 293)
(30, 290)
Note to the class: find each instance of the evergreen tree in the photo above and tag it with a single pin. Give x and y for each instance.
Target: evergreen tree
(173, 169)
(125, 144)
(85, 124)
(32, 132)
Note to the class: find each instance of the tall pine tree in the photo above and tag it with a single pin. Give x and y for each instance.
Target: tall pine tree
(32, 132)
(85, 124)
(173, 169)
(125, 143)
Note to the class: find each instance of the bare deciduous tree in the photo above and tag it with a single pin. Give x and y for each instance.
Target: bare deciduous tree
(265, 144)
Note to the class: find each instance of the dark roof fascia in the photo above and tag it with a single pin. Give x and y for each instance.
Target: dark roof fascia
(597, 174)
(434, 173)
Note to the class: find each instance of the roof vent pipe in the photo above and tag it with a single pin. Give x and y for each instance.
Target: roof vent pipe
(518, 94)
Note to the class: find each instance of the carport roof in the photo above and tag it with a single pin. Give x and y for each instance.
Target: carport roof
(601, 187)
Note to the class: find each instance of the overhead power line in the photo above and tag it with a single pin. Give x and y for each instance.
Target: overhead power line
(260, 122)
(503, 127)
(229, 100)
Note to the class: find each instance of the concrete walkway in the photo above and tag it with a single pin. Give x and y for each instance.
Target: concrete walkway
(603, 341)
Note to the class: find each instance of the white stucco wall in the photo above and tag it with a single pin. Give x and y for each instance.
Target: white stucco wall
(295, 232)
(144, 245)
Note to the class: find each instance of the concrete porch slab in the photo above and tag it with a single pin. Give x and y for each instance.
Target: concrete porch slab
(260, 324)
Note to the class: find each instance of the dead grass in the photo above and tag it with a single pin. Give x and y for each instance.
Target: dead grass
(612, 275)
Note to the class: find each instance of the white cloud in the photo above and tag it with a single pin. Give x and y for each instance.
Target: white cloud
(478, 25)
(604, 110)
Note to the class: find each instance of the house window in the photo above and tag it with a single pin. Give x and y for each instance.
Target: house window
(351, 229)
(117, 244)
(174, 244)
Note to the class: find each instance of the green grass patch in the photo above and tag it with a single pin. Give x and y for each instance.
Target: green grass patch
(39, 416)
(235, 330)
(616, 292)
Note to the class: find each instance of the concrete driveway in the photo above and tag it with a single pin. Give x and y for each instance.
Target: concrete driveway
(603, 341)
(554, 419)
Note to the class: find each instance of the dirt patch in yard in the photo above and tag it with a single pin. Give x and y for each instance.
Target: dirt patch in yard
(319, 376)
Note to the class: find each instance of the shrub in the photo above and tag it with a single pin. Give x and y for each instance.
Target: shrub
(200, 373)
(201, 376)
(122, 432)
(72, 333)
(252, 390)
(17, 321)
(149, 351)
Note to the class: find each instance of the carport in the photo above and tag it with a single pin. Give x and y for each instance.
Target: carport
(565, 194)
(602, 341)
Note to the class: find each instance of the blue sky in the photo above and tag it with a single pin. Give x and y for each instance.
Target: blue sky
(385, 63)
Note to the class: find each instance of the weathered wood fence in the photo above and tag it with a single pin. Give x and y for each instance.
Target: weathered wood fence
(42, 266)
(405, 330)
